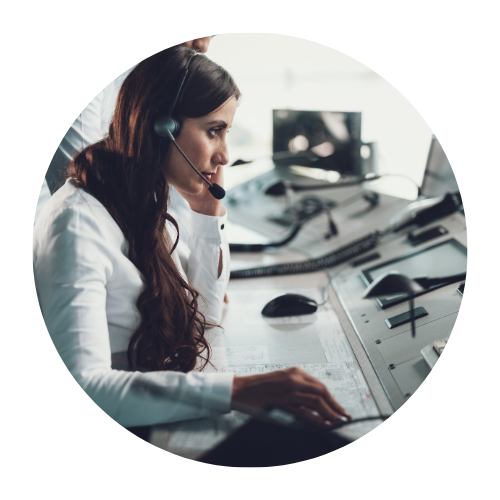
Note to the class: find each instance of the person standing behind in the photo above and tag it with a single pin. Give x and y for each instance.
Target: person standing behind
(93, 122)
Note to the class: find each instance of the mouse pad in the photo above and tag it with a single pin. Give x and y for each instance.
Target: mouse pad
(261, 444)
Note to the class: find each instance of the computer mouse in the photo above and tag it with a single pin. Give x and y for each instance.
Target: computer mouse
(276, 189)
(240, 162)
(290, 304)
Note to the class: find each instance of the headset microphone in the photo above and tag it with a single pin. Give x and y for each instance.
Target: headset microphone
(216, 191)
(169, 128)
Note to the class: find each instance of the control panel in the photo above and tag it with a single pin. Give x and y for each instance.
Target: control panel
(395, 355)
(433, 254)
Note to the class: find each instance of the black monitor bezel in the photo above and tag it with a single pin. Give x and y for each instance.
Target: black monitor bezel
(355, 160)
(365, 274)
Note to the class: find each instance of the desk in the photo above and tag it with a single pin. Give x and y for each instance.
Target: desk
(273, 344)
(390, 363)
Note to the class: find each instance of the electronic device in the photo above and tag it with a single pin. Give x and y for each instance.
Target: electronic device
(338, 256)
(388, 284)
(304, 209)
(436, 229)
(260, 247)
(310, 206)
(276, 437)
(333, 137)
(166, 126)
(299, 214)
(439, 178)
(432, 352)
(269, 444)
(278, 188)
(425, 211)
(439, 345)
(290, 304)
(415, 238)
(296, 218)
(421, 214)
(406, 216)
(432, 267)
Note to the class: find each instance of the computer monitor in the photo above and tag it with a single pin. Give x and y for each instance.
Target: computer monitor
(438, 178)
(330, 140)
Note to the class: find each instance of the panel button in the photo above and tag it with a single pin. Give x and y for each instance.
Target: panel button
(366, 259)
(401, 319)
(418, 238)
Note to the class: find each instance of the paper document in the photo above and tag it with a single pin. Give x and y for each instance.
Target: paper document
(292, 320)
(345, 382)
(239, 355)
(332, 337)
(322, 342)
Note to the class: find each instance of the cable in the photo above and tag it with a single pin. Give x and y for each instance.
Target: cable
(304, 210)
(309, 207)
(398, 175)
(426, 282)
(359, 180)
(325, 296)
(331, 259)
(340, 424)
(286, 419)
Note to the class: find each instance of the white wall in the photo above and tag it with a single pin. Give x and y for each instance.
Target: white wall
(275, 71)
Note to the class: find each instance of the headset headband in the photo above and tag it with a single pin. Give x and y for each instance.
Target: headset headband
(186, 69)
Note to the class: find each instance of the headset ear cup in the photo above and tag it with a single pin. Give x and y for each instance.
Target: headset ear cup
(164, 123)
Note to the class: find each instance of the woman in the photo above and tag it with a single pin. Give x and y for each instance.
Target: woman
(107, 273)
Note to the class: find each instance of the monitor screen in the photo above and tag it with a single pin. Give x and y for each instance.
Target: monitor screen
(438, 178)
(330, 140)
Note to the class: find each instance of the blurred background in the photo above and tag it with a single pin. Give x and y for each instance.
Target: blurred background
(281, 72)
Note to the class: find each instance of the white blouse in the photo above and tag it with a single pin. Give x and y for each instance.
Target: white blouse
(88, 288)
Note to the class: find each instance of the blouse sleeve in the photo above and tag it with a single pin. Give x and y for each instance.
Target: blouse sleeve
(72, 266)
(206, 241)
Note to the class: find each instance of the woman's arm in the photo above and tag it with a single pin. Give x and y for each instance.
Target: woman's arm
(181, 211)
(293, 390)
(203, 249)
(208, 262)
(75, 268)
(78, 275)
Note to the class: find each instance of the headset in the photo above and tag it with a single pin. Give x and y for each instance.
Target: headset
(168, 127)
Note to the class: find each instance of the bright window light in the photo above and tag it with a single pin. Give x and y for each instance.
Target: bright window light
(282, 72)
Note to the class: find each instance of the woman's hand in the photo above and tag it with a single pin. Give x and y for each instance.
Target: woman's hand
(293, 390)
(203, 202)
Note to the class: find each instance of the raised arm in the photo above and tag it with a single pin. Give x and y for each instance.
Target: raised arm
(203, 248)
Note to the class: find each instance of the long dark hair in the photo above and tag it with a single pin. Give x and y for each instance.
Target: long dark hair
(122, 172)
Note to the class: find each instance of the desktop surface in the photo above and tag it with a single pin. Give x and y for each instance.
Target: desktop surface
(371, 369)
